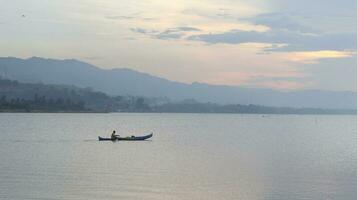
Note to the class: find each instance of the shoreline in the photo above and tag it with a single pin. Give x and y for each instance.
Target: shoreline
(242, 113)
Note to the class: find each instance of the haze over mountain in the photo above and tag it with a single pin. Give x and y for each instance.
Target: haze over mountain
(129, 82)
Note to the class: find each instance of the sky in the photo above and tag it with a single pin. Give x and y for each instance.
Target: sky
(279, 44)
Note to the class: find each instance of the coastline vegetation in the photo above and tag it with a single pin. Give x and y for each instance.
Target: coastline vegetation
(38, 97)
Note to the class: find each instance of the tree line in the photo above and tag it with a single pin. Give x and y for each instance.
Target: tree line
(41, 103)
(38, 97)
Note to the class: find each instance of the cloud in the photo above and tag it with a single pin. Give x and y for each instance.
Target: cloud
(281, 21)
(149, 18)
(166, 36)
(292, 40)
(285, 32)
(120, 17)
(320, 7)
(180, 30)
(138, 16)
(313, 56)
(186, 29)
(171, 33)
(176, 33)
(144, 31)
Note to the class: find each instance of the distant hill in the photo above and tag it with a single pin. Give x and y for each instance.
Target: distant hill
(38, 97)
(129, 82)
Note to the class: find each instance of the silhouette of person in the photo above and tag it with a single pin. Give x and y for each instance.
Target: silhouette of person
(113, 136)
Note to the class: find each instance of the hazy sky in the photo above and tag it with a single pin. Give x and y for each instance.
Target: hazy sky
(258, 43)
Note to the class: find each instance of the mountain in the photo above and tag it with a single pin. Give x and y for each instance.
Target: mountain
(129, 82)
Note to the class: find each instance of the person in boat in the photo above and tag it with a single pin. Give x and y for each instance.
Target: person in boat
(113, 136)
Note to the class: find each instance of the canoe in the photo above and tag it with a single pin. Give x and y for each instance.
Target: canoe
(130, 138)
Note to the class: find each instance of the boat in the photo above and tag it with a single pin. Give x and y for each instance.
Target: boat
(129, 138)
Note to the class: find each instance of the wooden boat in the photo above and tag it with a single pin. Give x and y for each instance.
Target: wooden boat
(129, 138)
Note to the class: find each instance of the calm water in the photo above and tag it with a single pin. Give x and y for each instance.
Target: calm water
(191, 156)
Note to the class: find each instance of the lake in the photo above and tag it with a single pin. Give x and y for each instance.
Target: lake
(191, 156)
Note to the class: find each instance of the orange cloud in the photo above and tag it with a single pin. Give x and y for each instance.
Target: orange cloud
(313, 56)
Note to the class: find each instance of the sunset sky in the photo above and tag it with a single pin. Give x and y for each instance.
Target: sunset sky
(277, 44)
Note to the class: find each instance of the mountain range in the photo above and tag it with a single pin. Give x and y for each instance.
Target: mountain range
(124, 81)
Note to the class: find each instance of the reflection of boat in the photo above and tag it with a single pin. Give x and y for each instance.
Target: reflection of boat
(130, 138)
